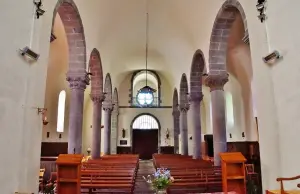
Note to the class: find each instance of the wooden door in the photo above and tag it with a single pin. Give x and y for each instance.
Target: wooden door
(145, 142)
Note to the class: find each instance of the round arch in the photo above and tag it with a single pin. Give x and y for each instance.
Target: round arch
(197, 68)
(175, 100)
(184, 91)
(145, 114)
(95, 68)
(108, 89)
(221, 31)
(71, 19)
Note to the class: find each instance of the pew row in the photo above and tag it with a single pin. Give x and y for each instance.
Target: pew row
(110, 174)
(191, 176)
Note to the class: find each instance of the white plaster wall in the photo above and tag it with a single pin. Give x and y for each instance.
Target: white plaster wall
(283, 35)
(56, 82)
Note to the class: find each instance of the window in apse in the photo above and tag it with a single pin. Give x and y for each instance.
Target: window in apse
(229, 110)
(61, 111)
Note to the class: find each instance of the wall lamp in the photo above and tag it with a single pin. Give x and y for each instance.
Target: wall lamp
(39, 11)
(43, 112)
(26, 51)
(260, 6)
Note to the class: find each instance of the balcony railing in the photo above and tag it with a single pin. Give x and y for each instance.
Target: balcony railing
(155, 103)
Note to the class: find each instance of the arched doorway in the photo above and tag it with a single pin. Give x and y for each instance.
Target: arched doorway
(145, 135)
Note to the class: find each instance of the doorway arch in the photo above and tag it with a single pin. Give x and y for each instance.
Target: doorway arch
(145, 135)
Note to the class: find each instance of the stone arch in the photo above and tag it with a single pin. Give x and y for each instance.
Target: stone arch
(95, 68)
(115, 97)
(197, 68)
(175, 100)
(108, 88)
(184, 91)
(71, 19)
(221, 31)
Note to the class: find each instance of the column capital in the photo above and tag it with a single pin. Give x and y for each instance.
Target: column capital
(107, 107)
(78, 80)
(198, 97)
(184, 107)
(216, 80)
(97, 98)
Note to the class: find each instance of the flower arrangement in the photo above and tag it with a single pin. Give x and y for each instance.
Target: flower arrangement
(160, 180)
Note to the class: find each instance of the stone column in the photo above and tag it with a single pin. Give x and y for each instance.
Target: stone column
(78, 82)
(196, 126)
(184, 129)
(107, 127)
(97, 113)
(216, 82)
(176, 126)
(114, 130)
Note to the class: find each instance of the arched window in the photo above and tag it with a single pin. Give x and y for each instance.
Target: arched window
(141, 96)
(61, 111)
(145, 122)
(229, 110)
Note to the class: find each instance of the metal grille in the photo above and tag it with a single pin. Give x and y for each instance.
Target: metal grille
(145, 122)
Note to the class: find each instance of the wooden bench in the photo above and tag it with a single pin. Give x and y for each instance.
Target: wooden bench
(110, 174)
(190, 175)
(282, 191)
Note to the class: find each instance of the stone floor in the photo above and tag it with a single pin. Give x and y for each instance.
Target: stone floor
(145, 168)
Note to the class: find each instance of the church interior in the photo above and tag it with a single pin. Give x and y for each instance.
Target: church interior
(98, 94)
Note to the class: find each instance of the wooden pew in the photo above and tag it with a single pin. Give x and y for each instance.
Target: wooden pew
(190, 175)
(111, 173)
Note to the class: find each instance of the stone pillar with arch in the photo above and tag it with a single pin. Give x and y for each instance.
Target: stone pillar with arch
(184, 129)
(78, 83)
(97, 115)
(196, 96)
(114, 123)
(108, 108)
(184, 107)
(176, 125)
(196, 125)
(216, 82)
(176, 121)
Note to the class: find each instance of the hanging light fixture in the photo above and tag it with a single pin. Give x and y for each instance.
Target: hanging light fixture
(145, 94)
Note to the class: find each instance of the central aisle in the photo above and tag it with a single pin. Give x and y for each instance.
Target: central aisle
(145, 168)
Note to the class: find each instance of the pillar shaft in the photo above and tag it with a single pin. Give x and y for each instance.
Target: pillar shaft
(107, 129)
(78, 82)
(216, 82)
(97, 113)
(114, 130)
(196, 126)
(184, 131)
(176, 126)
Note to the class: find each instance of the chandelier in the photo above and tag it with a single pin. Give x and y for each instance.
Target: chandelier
(145, 94)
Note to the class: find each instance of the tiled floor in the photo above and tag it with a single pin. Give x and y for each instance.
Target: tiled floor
(145, 168)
